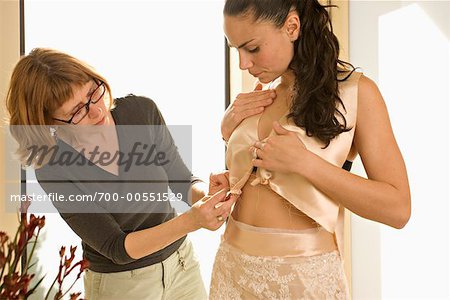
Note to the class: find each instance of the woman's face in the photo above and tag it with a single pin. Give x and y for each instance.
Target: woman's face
(264, 50)
(98, 113)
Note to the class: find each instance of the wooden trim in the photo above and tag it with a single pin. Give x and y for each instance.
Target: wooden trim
(9, 55)
(339, 18)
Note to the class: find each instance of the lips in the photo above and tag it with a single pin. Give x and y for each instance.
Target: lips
(255, 74)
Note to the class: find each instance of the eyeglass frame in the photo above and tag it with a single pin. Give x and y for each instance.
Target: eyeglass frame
(86, 105)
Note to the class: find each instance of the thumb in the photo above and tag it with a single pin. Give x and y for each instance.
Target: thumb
(258, 87)
(280, 130)
(212, 178)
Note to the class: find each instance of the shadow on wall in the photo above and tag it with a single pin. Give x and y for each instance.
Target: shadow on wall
(439, 16)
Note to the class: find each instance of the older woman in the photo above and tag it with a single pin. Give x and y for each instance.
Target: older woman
(131, 235)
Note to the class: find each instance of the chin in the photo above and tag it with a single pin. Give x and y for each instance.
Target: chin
(264, 80)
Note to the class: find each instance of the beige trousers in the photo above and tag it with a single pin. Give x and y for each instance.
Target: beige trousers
(147, 283)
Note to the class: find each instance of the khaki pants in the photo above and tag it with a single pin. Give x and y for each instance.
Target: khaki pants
(165, 280)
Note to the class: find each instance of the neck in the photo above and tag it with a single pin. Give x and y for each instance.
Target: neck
(287, 79)
(285, 86)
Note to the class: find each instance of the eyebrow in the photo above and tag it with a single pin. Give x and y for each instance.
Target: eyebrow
(242, 45)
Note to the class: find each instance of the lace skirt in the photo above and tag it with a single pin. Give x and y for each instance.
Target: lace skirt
(268, 263)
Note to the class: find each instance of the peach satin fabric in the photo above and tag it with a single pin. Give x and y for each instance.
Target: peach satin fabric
(293, 187)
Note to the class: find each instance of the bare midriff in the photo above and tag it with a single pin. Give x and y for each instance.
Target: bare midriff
(260, 206)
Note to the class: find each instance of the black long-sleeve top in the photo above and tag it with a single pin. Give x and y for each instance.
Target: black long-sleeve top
(103, 225)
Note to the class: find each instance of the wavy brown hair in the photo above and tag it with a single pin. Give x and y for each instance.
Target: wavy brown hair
(315, 64)
(41, 82)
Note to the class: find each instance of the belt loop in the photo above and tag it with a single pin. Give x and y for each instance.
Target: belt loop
(162, 279)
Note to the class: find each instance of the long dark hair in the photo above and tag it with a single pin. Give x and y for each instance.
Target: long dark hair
(316, 65)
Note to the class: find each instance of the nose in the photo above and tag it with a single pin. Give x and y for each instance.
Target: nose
(94, 111)
(245, 61)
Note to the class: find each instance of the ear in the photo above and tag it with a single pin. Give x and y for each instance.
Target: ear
(292, 26)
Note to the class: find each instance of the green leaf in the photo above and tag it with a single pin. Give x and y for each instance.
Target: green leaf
(35, 287)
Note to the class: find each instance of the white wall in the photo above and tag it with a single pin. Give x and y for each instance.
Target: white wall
(404, 47)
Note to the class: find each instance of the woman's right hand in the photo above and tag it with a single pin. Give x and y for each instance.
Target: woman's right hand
(210, 212)
(245, 105)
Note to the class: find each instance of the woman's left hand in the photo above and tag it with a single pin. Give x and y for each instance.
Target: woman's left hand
(283, 152)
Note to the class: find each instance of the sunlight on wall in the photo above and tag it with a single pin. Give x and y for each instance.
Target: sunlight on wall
(404, 47)
(414, 78)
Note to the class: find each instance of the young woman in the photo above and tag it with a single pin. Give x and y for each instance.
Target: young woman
(136, 249)
(284, 239)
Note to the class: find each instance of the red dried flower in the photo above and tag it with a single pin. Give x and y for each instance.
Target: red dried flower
(74, 296)
(24, 205)
(2, 260)
(62, 251)
(3, 238)
(14, 284)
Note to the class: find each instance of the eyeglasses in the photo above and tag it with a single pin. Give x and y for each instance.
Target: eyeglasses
(79, 115)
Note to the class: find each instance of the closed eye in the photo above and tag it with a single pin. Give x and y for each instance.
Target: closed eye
(81, 104)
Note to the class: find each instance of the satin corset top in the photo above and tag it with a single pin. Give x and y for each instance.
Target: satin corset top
(293, 187)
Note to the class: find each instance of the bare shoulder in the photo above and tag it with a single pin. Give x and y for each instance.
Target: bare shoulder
(369, 95)
(372, 108)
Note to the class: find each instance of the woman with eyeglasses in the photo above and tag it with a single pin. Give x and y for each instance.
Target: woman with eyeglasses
(289, 162)
(113, 161)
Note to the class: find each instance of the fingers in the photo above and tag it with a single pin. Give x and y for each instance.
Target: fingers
(250, 112)
(219, 179)
(216, 198)
(223, 209)
(246, 106)
(259, 145)
(257, 154)
(257, 102)
(257, 150)
(255, 96)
